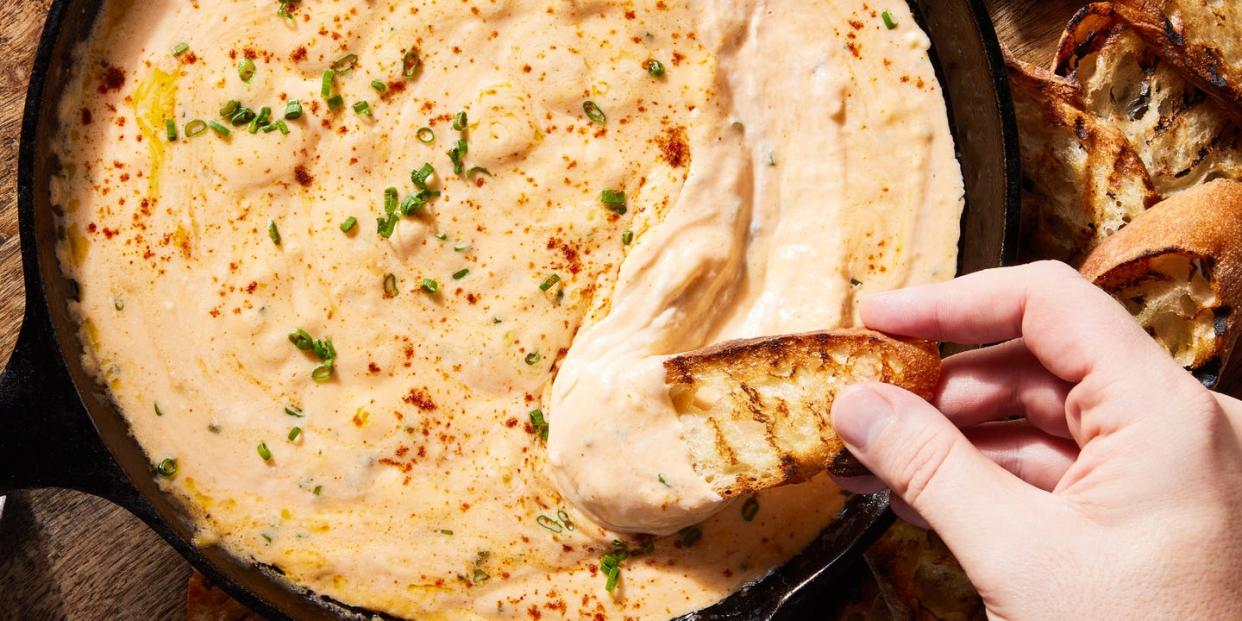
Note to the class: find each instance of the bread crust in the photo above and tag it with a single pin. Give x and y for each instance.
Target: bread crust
(758, 388)
(1203, 223)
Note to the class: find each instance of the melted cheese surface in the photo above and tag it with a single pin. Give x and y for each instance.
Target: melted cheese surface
(793, 156)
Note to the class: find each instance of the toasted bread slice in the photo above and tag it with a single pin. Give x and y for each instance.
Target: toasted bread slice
(1183, 136)
(1178, 269)
(1086, 179)
(1202, 38)
(757, 413)
(919, 578)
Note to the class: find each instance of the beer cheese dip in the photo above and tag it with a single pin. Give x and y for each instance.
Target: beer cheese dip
(383, 287)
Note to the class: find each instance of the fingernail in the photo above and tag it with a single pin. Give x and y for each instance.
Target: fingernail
(859, 414)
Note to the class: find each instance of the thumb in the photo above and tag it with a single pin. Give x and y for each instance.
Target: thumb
(971, 502)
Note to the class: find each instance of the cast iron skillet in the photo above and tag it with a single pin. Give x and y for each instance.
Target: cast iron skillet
(58, 427)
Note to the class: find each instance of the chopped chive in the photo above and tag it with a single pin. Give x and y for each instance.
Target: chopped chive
(662, 481)
(476, 171)
(410, 63)
(294, 411)
(267, 129)
(456, 154)
(158, 411)
(690, 535)
(461, 121)
(195, 128)
(294, 433)
(317, 490)
(550, 524)
(390, 285)
(293, 110)
(431, 286)
(273, 232)
(888, 20)
(460, 274)
(349, 224)
(167, 468)
(213, 428)
(549, 282)
(563, 516)
(533, 358)
(242, 116)
(218, 128)
(538, 424)
(386, 225)
(750, 508)
(170, 126)
(614, 200)
(285, 5)
(462, 247)
(181, 49)
(335, 102)
(345, 64)
(627, 237)
(655, 68)
(246, 70)
(230, 108)
(445, 531)
(362, 108)
(441, 236)
(379, 86)
(425, 135)
(594, 112)
(301, 339)
(284, 129)
(264, 452)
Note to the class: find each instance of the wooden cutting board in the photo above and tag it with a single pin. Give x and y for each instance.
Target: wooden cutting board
(65, 555)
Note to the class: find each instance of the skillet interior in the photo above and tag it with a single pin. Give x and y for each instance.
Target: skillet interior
(47, 360)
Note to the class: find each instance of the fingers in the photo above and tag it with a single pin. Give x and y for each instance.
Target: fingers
(1070, 326)
(1000, 382)
(926, 461)
(1025, 451)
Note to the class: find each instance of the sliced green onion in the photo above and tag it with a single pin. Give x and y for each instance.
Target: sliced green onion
(246, 70)
(294, 411)
(533, 358)
(335, 102)
(242, 116)
(166, 468)
(230, 108)
(431, 286)
(461, 121)
(462, 247)
(476, 171)
(317, 490)
(655, 68)
(441, 236)
(301, 339)
(323, 372)
(345, 64)
(294, 433)
(293, 110)
(195, 128)
(627, 237)
(264, 453)
(614, 200)
(218, 128)
(410, 63)
(349, 224)
(750, 508)
(445, 531)
(390, 200)
(273, 232)
(456, 154)
(158, 411)
(460, 274)
(170, 127)
(563, 516)
(888, 20)
(425, 135)
(538, 424)
(390, 285)
(384, 226)
(690, 535)
(362, 108)
(421, 175)
(549, 282)
(280, 124)
(379, 86)
(594, 112)
(181, 49)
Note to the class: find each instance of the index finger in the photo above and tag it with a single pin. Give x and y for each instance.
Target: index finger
(1072, 327)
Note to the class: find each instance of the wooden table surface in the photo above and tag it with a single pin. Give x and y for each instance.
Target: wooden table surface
(65, 555)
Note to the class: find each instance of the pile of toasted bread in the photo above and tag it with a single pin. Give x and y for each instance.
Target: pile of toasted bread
(1132, 151)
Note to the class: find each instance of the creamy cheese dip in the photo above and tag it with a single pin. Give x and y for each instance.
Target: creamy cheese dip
(791, 156)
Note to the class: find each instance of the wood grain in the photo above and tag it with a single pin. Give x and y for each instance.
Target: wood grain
(64, 555)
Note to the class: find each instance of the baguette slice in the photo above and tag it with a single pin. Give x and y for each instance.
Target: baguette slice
(1183, 136)
(1178, 270)
(757, 413)
(1086, 181)
(1202, 38)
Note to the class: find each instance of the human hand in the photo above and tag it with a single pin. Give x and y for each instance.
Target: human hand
(1118, 492)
